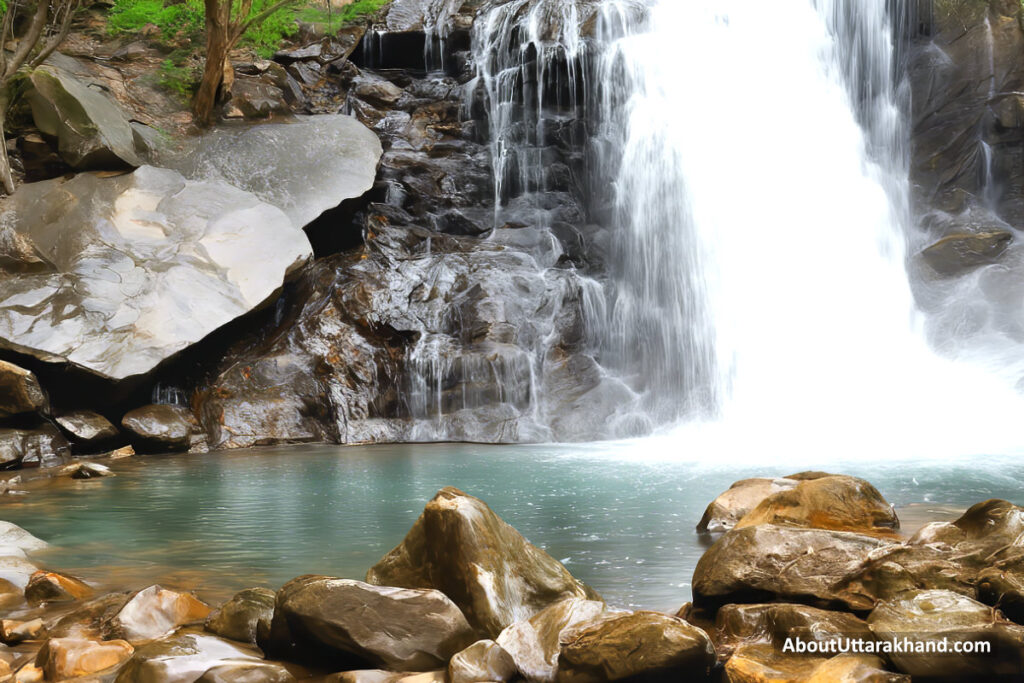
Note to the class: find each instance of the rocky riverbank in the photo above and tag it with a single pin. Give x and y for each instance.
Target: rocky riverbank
(464, 597)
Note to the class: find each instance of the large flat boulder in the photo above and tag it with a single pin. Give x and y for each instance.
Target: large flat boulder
(92, 132)
(341, 621)
(145, 264)
(460, 547)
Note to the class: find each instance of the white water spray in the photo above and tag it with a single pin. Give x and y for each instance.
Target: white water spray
(763, 210)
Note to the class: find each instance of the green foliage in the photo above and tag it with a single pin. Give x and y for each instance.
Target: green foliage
(335, 19)
(180, 79)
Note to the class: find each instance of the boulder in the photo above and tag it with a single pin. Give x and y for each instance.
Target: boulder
(247, 672)
(766, 664)
(481, 662)
(183, 658)
(534, 644)
(1002, 586)
(251, 98)
(13, 631)
(44, 587)
(154, 264)
(773, 623)
(87, 427)
(782, 563)
(43, 446)
(835, 502)
(63, 658)
(461, 548)
(346, 621)
(92, 132)
(20, 392)
(93, 619)
(381, 676)
(243, 615)
(731, 506)
(13, 537)
(159, 427)
(155, 612)
(634, 645)
(957, 254)
(937, 619)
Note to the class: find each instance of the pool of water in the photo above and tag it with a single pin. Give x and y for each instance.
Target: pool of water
(620, 519)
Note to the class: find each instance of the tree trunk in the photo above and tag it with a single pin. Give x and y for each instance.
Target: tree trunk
(217, 47)
(5, 164)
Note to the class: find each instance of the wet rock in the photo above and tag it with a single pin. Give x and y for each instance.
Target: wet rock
(785, 563)
(766, 664)
(159, 427)
(45, 587)
(62, 658)
(637, 644)
(482, 661)
(376, 91)
(534, 644)
(86, 470)
(14, 538)
(13, 631)
(395, 628)
(87, 427)
(935, 616)
(20, 392)
(40, 159)
(183, 658)
(731, 506)
(460, 547)
(155, 264)
(956, 254)
(43, 446)
(155, 612)
(773, 623)
(30, 673)
(1002, 586)
(92, 132)
(92, 619)
(835, 502)
(241, 617)
(250, 672)
(381, 676)
(16, 570)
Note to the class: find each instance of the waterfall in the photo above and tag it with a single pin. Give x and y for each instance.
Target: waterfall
(759, 287)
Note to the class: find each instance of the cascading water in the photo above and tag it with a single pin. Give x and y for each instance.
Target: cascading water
(762, 209)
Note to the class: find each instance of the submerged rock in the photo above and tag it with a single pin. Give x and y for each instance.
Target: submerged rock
(20, 392)
(956, 254)
(324, 618)
(461, 548)
(159, 427)
(635, 645)
(92, 132)
(154, 264)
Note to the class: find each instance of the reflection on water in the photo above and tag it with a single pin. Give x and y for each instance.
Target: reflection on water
(624, 524)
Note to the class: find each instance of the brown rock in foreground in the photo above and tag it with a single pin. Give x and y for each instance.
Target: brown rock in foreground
(636, 644)
(766, 664)
(62, 658)
(534, 644)
(46, 586)
(460, 547)
(20, 392)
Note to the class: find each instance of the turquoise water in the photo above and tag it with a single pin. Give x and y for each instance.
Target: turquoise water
(619, 518)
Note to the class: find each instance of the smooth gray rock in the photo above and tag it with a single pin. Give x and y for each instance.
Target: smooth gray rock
(20, 392)
(153, 264)
(92, 132)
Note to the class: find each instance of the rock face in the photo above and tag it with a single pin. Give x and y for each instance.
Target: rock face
(154, 264)
(159, 427)
(835, 502)
(634, 645)
(957, 254)
(20, 392)
(92, 132)
(461, 548)
(769, 561)
(941, 615)
(349, 621)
